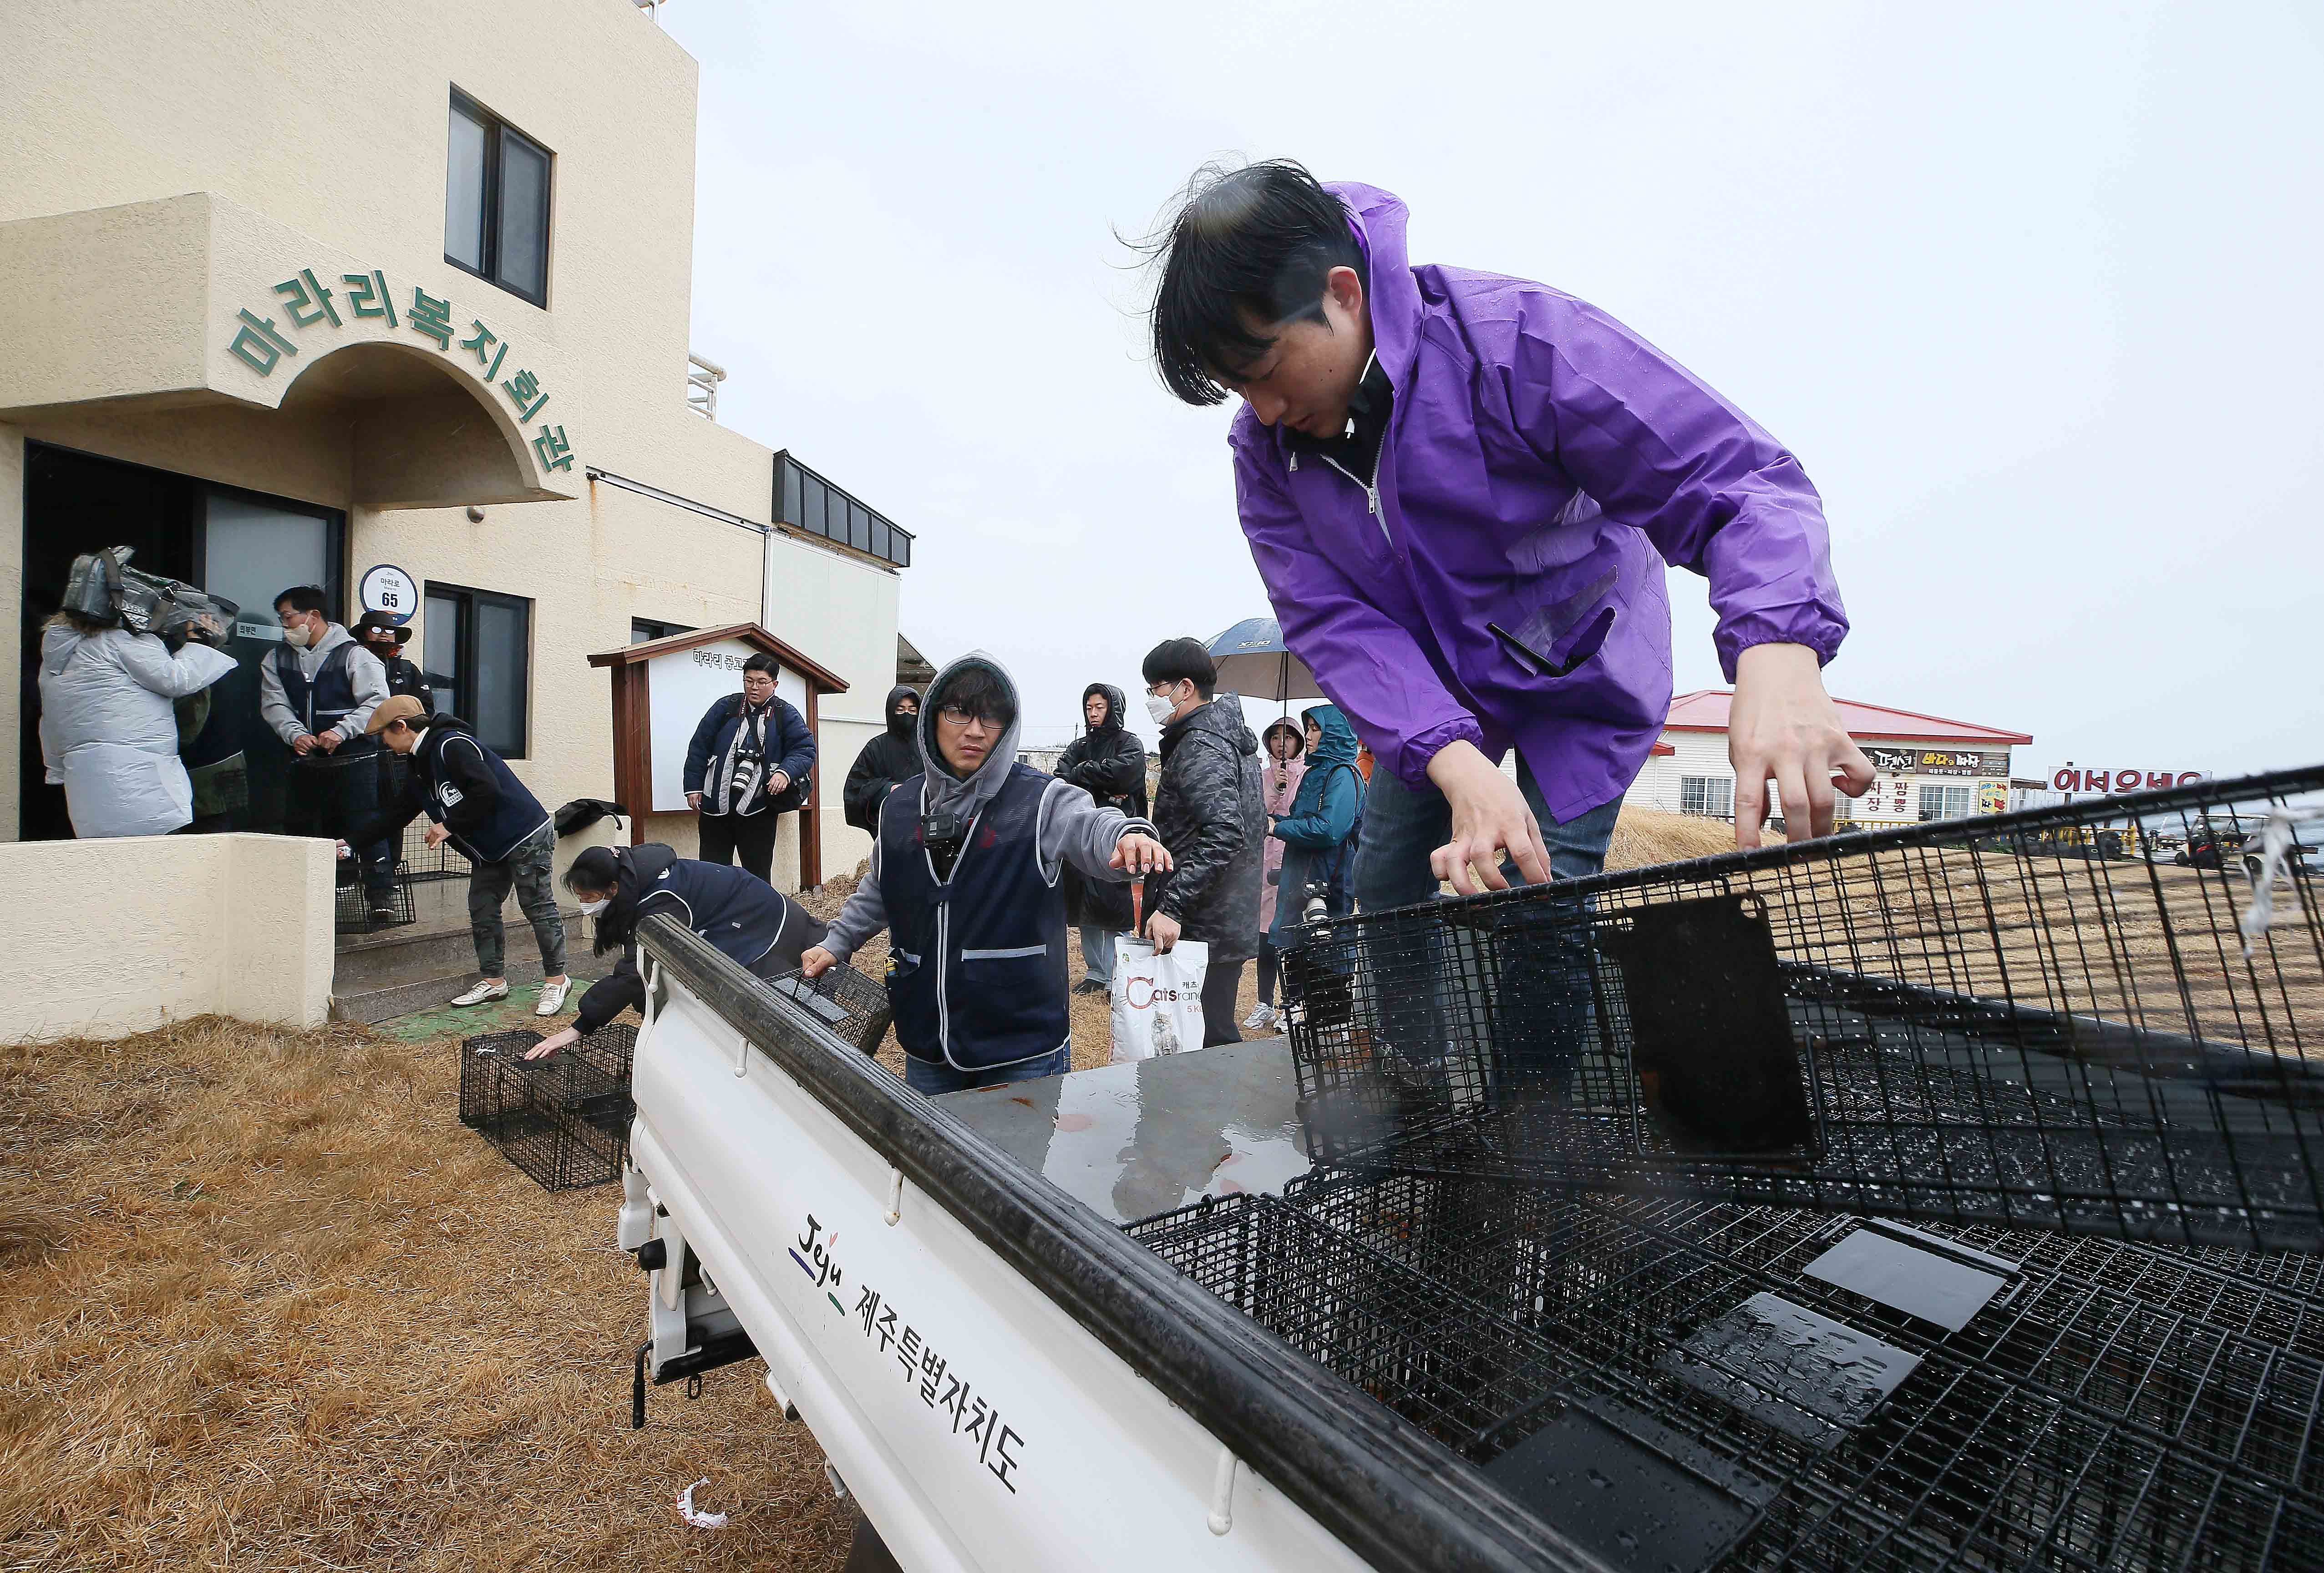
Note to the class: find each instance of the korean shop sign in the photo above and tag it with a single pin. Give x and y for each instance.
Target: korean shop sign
(315, 306)
(1937, 762)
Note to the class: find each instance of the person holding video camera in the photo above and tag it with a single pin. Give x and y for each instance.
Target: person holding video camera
(108, 695)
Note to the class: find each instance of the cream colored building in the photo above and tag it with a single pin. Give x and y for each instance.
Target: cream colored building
(234, 333)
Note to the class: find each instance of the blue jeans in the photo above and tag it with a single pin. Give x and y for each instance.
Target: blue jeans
(1548, 1008)
(1097, 953)
(932, 1076)
(1402, 826)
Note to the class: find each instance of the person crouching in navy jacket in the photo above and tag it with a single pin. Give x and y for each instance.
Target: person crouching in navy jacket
(965, 877)
(747, 765)
(480, 807)
(744, 917)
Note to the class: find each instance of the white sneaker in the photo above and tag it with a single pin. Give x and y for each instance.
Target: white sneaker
(482, 994)
(1256, 1019)
(552, 998)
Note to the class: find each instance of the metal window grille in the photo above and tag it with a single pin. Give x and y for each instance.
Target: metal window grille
(1946, 802)
(2012, 1021)
(1709, 794)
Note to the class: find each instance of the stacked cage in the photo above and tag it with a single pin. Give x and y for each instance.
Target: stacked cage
(355, 911)
(563, 1118)
(1936, 1197)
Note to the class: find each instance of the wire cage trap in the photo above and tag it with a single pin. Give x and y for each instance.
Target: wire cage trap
(357, 911)
(1687, 1384)
(565, 1118)
(1986, 1022)
(843, 1001)
(440, 862)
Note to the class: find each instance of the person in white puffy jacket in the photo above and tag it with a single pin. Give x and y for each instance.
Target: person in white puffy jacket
(109, 728)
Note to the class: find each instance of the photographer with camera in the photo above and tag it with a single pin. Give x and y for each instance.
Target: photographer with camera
(965, 877)
(108, 693)
(746, 766)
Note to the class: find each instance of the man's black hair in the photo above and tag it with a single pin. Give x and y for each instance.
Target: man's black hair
(302, 598)
(763, 662)
(981, 691)
(1181, 660)
(1249, 245)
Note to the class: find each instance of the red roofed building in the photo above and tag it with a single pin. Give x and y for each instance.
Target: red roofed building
(1929, 768)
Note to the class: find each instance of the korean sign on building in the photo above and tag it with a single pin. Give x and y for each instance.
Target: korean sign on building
(261, 345)
(2070, 779)
(1937, 762)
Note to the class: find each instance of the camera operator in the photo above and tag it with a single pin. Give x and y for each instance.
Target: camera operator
(108, 718)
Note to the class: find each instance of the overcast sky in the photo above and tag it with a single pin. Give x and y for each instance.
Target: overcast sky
(2031, 291)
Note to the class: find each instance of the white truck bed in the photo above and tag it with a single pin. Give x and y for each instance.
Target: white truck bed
(1000, 1378)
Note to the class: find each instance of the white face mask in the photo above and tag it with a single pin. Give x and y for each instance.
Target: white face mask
(1161, 707)
(296, 637)
(592, 908)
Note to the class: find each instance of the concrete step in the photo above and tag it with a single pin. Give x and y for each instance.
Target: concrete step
(397, 971)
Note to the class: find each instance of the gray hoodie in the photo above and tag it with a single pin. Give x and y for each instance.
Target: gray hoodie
(368, 677)
(1073, 828)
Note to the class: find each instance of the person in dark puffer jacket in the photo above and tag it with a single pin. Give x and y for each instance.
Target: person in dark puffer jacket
(746, 766)
(888, 759)
(747, 919)
(1109, 763)
(1211, 810)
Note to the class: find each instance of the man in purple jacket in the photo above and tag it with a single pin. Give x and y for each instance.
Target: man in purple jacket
(1461, 490)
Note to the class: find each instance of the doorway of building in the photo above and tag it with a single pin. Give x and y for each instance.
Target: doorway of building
(244, 545)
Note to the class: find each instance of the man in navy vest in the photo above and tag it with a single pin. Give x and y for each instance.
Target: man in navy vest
(316, 689)
(480, 807)
(965, 878)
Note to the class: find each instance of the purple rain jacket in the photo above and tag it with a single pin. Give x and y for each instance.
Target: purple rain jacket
(1540, 465)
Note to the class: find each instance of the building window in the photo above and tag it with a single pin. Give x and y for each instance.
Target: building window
(645, 630)
(479, 661)
(496, 202)
(1711, 794)
(805, 501)
(1947, 802)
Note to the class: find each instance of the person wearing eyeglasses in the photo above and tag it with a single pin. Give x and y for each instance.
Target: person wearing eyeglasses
(746, 765)
(967, 877)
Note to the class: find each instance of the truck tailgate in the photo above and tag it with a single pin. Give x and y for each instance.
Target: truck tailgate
(1004, 1381)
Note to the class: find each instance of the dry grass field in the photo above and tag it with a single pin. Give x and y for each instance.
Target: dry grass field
(264, 1303)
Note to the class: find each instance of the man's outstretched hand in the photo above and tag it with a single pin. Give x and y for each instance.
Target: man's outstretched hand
(818, 961)
(1782, 727)
(1140, 854)
(1488, 815)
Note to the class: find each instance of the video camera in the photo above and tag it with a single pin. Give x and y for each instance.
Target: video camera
(104, 588)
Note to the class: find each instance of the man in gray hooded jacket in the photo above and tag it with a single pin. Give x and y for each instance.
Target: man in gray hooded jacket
(965, 877)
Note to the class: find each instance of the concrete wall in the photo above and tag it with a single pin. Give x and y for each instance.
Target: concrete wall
(112, 937)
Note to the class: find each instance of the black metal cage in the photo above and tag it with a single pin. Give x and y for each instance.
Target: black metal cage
(564, 1120)
(355, 910)
(2056, 1019)
(1685, 1385)
(843, 1001)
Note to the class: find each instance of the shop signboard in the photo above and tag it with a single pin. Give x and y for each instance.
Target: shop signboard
(262, 343)
(2068, 778)
(1892, 761)
(681, 687)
